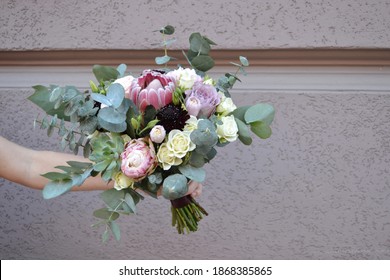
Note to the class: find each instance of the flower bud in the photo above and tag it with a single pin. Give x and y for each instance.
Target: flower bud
(157, 134)
(94, 88)
(193, 106)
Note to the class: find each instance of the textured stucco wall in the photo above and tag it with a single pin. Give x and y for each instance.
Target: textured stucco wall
(122, 24)
(317, 189)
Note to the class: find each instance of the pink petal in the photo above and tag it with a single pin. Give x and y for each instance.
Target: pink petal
(153, 98)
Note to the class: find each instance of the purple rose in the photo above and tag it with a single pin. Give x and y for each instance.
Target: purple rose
(204, 96)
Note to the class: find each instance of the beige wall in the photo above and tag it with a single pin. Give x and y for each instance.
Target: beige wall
(319, 188)
(124, 24)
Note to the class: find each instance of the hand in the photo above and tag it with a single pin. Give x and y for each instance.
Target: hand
(194, 189)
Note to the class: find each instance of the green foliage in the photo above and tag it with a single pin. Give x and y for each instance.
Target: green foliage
(162, 59)
(74, 175)
(198, 54)
(259, 117)
(204, 137)
(106, 150)
(174, 186)
(117, 203)
(193, 173)
(113, 116)
(243, 132)
(260, 112)
(105, 73)
(167, 30)
(226, 82)
(71, 105)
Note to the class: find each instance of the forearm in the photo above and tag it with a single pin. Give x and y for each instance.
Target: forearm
(46, 161)
(25, 166)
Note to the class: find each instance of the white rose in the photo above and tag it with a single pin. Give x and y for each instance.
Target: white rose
(166, 158)
(157, 134)
(226, 105)
(122, 181)
(191, 124)
(185, 77)
(228, 130)
(179, 143)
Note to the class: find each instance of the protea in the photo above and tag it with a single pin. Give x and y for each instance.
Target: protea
(152, 88)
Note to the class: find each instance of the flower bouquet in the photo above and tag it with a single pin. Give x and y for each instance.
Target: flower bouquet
(149, 134)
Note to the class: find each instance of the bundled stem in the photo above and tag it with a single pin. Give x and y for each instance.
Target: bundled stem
(186, 213)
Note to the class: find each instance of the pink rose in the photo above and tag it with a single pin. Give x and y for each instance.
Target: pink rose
(138, 159)
(152, 88)
(204, 96)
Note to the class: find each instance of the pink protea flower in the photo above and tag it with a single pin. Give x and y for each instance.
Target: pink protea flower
(152, 88)
(138, 159)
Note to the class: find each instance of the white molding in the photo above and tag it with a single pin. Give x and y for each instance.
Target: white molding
(282, 79)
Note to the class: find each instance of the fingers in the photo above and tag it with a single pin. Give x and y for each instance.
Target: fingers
(195, 189)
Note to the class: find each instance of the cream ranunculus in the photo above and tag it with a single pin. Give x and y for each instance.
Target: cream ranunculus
(179, 143)
(226, 105)
(228, 130)
(122, 181)
(166, 158)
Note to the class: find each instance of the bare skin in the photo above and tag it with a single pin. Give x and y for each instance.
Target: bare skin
(24, 166)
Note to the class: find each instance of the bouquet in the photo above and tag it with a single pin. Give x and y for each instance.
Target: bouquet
(150, 133)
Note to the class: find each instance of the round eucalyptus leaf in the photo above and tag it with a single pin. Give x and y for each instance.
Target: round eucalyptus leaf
(111, 115)
(116, 94)
(174, 186)
(260, 112)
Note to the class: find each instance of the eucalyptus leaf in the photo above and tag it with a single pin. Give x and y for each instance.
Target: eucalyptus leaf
(105, 235)
(261, 129)
(197, 159)
(88, 124)
(260, 112)
(115, 94)
(56, 188)
(105, 73)
(79, 164)
(111, 115)
(113, 198)
(174, 186)
(112, 126)
(106, 214)
(115, 230)
(203, 63)
(243, 132)
(56, 176)
(167, 30)
(70, 93)
(56, 94)
(239, 113)
(121, 69)
(41, 98)
(193, 173)
(101, 99)
(198, 44)
(244, 61)
(162, 59)
(130, 202)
